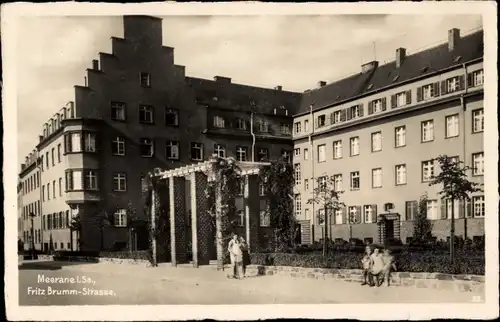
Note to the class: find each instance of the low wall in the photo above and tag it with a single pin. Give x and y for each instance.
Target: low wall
(87, 259)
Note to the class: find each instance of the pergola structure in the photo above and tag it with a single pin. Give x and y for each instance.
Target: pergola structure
(201, 222)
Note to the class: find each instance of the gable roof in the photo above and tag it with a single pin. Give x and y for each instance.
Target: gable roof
(470, 47)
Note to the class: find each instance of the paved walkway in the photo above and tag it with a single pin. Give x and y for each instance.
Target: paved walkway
(137, 284)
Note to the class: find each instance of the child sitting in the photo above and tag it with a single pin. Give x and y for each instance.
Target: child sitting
(366, 264)
(377, 266)
(389, 265)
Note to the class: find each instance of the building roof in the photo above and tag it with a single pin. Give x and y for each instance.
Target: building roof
(240, 97)
(469, 47)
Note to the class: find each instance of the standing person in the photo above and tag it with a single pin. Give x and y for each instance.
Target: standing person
(389, 265)
(366, 264)
(233, 243)
(245, 255)
(377, 266)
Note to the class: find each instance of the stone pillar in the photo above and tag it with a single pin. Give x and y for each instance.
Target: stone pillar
(200, 220)
(177, 203)
(252, 212)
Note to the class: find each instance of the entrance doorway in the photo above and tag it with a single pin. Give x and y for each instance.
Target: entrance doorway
(389, 229)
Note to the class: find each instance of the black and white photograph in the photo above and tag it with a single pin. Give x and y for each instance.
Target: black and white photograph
(237, 161)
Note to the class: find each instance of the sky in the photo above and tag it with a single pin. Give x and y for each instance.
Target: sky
(293, 51)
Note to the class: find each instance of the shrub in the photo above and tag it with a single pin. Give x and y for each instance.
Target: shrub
(66, 255)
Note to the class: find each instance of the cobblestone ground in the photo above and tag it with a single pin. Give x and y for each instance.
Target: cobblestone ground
(137, 284)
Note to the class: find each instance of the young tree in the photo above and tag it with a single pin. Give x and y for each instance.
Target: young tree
(455, 187)
(328, 199)
(75, 226)
(422, 226)
(278, 180)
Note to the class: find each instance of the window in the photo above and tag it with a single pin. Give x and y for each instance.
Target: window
(337, 149)
(452, 126)
(241, 153)
(376, 141)
(427, 91)
(456, 210)
(478, 206)
(145, 80)
(220, 150)
(478, 120)
(219, 122)
(298, 127)
(321, 216)
(74, 180)
(354, 215)
(48, 191)
(339, 218)
(306, 184)
(306, 154)
(171, 117)
(355, 111)
(196, 151)
(118, 146)
(432, 210)
(336, 117)
(120, 218)
(427, 170)
(120, 182)
(427, 131)
(286, 155)
(285, 129)
(401, 99)
(355, 180)
(401, 174)
(400, 136)
(54, 189)
(297, 173)
(306, 125)
(89, 142)
(377, 178)
(145, 114)
(172, 150)
(411, 209)
(322, 182)
(321, 153)
(263, 126)
(298, 206)
(265, 218)
(321, 121)
(478, 164)
(60, 187)
(43, 192)
(262, 189)
(47, 159)
(370, 213)
(377, 106)
(452, 84)
(263, 155)
(75, 143)
(118, 111)
(147, 147)
(241, 124)
(337, 182)
(240, 215)
(476, 78)
(91, 180)
(354, 146)
(296, 152)
(59, 153)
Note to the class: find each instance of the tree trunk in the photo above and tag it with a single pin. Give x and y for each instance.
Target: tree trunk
(218, 229)
(452, 233)
(153, 228)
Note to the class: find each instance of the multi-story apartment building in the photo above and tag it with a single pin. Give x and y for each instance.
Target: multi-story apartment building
(138, 111)
(378, 132)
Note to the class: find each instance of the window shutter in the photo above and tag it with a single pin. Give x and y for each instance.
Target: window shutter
(342, 115)
(374, 213)
(370, 108)
(444, 89)
(435, 92)
(461, 81)
(469, 209)
(470, 80)
(419, 94)
(408, 97)
(461, 209)
(393, 101)
(332, 119)
(67, 143)
(344, 214)
(348, 113)
(358, 214)
(361, 109)
(443, 208)
(384, 103)
(316, 122)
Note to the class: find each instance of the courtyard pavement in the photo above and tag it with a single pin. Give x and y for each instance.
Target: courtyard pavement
(129, 284)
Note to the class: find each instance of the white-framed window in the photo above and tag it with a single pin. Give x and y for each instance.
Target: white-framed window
(478, 206)
(337, 149)
(306, 154)
(401, 99)
(306, 184)
(240, 215)
(427, 170)
(59, 153)
(400, 135)
(118, 111)
(477, 78)
(145, 114)
(241, 153)
(265, 218)
(427, 91)
(120, 218)
(353, 215)
(427, 131)
(285, 128)
(478, 120)
(368, 213)
(354, 145)
(172, 150)
(118, 146)
(60, 187)
(263, 126)
(322, 182)
(298, 206)
(337, 116)
(354, 111)
(321, 217)
(91, 180)
(401, 174)
(452, 84)
(196, 151)
(241, 124)
(147, 147)
(452, 126)
(296, 152)
(219, 122)
(478, 164)
(321, 120)
(262, 189)
(339, 220)
(263, 154)
(171, 117)
(145, 79)
(322, 153)
(89, 142)
(297, 173)
(377, 106)
(377, 178)
(120, 182)
(355, 183)
(306, 125)
(220, 150)
(48, 191)
(456, 206)
(74, 180)
(432, 210)
(298, 127)
(76, 143)
(337, 182)
(376, 141)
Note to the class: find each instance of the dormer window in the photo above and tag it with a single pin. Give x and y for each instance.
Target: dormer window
(321, 121)
(219, 122)
(241, 124)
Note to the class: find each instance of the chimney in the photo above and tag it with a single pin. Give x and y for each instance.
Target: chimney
(400, 56)
(321, 83)
(278, 88)
(453, 38)
(369, 66)
(222, 79)
(95, 64)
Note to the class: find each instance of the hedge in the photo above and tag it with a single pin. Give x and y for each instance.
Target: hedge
(140, 254)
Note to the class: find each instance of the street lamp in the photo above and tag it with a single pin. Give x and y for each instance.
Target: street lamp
(32, 216)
